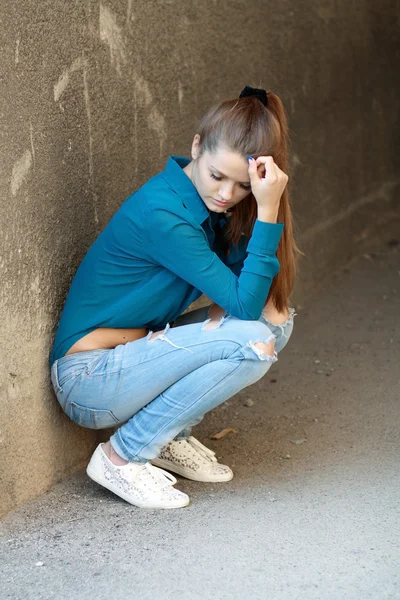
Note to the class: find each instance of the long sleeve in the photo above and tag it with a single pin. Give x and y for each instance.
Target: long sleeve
(236, 256)
(182, 247)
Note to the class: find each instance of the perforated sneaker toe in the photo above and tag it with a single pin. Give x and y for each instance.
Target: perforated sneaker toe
(191, 459)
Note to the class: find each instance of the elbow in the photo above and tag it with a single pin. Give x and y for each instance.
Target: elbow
(253, 316)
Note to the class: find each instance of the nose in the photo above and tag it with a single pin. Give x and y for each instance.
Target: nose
(226, 191)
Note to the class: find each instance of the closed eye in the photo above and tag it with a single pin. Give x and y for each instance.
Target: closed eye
(245, 187)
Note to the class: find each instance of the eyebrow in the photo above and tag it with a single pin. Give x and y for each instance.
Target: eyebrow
(223, 175)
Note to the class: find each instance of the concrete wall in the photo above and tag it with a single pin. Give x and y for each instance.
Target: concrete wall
(95, 96)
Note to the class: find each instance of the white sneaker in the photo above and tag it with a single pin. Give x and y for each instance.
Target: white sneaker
(189, 458)
(142, 485)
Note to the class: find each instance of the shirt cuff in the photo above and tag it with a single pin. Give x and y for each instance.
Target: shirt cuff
(265, 237)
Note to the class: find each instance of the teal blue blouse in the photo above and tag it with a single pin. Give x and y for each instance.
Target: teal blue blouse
(159, 253)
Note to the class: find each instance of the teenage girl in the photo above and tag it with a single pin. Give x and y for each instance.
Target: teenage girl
(124, 355)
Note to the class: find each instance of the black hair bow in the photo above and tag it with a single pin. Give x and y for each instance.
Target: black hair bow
(256, 92)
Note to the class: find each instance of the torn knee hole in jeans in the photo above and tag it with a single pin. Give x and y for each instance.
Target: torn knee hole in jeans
(161, 336)
(152, 336)
(214, 323)
(288, 321)
(265, 350)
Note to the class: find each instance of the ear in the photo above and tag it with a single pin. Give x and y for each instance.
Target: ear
(196, 146)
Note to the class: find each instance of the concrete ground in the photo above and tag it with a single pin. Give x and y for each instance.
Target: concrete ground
(313, 511)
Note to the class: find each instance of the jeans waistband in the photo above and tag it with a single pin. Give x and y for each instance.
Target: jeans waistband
(86, 354)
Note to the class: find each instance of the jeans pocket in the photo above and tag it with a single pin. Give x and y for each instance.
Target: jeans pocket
(54, 378)
(91, 418)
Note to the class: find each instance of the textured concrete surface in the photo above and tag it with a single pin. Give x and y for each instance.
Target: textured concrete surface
(95, 96)
(313, 511)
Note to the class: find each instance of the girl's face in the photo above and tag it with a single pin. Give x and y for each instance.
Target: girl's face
(221, 177)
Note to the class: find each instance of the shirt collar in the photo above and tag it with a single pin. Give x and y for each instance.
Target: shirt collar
(181, 183)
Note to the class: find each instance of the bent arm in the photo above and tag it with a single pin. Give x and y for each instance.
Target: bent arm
(182, 248)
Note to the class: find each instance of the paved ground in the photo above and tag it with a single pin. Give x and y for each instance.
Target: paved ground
(313, 512)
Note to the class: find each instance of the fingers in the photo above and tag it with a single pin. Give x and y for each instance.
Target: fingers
(261, 170)
(265, 170)
(263, 160)
(253, 173)
(266, 166)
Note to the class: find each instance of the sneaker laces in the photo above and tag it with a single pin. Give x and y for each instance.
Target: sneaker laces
(154, 475)
(201, 449)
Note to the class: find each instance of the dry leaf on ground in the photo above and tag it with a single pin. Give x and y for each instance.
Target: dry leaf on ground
(223, 433)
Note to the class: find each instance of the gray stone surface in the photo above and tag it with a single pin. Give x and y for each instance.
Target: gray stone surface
(313, 511)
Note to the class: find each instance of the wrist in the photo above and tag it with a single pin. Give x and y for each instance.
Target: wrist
(267, 215)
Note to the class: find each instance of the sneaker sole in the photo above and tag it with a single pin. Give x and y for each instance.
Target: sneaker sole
(104, 483)
(168, 466)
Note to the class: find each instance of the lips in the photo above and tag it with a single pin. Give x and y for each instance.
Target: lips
(220, 203)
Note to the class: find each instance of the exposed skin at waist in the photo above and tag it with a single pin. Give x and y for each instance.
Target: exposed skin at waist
(107, 338)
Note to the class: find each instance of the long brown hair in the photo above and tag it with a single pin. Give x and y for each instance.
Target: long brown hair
(248, 127)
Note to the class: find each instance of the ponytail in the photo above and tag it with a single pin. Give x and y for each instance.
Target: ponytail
(247, 126)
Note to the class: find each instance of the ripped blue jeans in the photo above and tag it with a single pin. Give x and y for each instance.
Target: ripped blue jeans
(156, 388)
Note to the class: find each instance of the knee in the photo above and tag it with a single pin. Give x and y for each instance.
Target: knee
(283, 336)
(259, 356)
(258, 331)
(266, 348)
(260, 341)
(281, 329)
(273, 316)
(255, 337)
(265, 351)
